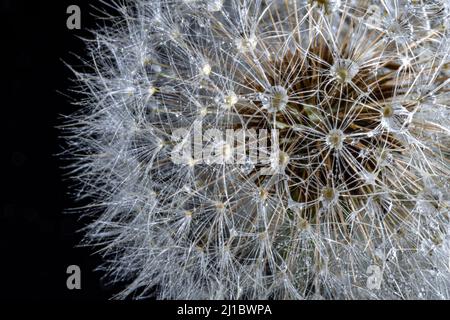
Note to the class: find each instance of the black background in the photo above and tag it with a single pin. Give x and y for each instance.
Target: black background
(37, 238)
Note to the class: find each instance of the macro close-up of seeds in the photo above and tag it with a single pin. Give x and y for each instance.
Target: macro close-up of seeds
(266, 149)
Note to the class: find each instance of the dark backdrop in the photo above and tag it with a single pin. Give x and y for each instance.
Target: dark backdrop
(37, 239)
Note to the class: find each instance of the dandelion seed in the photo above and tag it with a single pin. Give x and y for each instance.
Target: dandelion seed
(395, 117)
(229, 100)
(335, 139)
(206, 69)
(329, 196)
(344, 70)
(275, 99)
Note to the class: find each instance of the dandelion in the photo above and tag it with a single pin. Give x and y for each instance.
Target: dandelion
(358, 93)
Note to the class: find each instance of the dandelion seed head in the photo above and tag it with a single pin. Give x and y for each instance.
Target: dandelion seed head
(353, 99)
